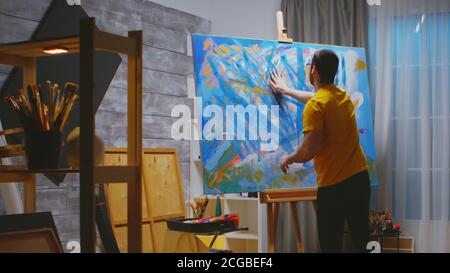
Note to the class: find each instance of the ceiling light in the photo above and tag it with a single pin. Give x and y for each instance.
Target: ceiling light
(55, 50)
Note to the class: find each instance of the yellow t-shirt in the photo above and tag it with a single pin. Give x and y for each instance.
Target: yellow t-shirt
(340, 156)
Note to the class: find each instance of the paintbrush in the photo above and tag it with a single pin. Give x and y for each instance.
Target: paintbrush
(33, 110)
(12, 102)
(23, 95)
(71, 89)
(66, 112)
(39, 107)
(46, 118)
(50, 103)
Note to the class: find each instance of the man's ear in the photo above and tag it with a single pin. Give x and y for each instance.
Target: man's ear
(314, 71)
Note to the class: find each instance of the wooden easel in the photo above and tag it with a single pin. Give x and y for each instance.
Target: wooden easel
(273, 198)
(282, 31)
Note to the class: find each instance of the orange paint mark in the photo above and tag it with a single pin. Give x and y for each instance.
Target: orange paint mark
(360, 65)
(207, 71)
(235, 47)
(207, 44)
(263, 76)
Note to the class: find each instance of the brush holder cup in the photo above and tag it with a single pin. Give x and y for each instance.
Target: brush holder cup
(43, 149)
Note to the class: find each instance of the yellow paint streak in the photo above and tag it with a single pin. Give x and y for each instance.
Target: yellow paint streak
(259, 90)
(218, 51)
(225, 49)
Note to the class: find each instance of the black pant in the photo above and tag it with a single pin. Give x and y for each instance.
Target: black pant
(346, 201)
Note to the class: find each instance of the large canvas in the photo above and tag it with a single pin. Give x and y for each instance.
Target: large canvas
(232, 72)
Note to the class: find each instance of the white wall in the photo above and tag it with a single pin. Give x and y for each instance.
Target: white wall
(237, 18)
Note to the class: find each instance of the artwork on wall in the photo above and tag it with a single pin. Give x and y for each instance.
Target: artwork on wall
(245, 129)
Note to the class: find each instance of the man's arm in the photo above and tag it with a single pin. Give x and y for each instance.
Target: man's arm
(309, 148)
(302, 96)
(278, 85)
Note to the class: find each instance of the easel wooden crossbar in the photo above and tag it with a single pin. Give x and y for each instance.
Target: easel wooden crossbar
(273, 199)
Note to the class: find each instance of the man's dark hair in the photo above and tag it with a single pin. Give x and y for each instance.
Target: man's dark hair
(326, 63)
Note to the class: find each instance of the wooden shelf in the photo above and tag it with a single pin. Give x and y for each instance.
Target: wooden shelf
(28, 49)
(20, 169)
(90, 40)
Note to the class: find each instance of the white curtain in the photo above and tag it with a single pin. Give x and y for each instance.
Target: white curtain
(409, 44)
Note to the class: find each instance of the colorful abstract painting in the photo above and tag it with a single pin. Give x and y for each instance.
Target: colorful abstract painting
(235, 72)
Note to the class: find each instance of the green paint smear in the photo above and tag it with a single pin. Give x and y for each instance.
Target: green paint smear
(247, 172)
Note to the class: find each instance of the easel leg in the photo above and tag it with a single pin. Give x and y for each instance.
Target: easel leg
(315, 206)
(270, 228)
(298, 233)
(30, 194)
(276, 209)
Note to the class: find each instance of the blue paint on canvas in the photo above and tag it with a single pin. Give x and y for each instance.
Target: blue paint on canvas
(235, 71)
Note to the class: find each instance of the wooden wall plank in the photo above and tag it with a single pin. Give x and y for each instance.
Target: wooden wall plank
(27, 9)
(168, 61)
(155, 14)
(13, 29)
(155, 104)
(114, 21)
(154, 81)
(164, 38)
(174, 19)
(114, 124)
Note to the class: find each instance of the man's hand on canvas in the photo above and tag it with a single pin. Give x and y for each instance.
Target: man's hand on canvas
(277, 83)
(284, 163)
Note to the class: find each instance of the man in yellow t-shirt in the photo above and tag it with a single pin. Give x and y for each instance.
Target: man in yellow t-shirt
(331, 138)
